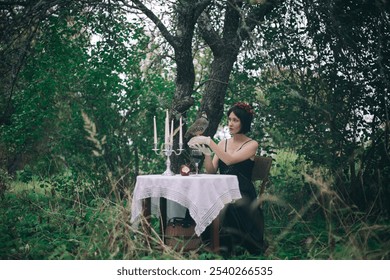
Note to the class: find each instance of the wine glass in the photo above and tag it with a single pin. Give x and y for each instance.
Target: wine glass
(197, 157)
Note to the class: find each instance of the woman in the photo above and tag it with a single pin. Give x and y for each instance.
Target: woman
(242, 222)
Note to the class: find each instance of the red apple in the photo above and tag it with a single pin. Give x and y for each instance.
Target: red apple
(184, 170)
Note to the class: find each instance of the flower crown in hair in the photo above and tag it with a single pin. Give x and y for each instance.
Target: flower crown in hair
(246, 107)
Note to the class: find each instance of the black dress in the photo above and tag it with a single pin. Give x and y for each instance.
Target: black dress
(242, 222)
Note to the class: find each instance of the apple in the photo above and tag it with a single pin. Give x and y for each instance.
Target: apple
(184, 170)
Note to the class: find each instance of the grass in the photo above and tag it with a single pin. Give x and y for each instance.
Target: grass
(41, 220)
(38, 223)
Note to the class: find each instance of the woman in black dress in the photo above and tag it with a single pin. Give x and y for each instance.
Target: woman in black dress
(242, 222)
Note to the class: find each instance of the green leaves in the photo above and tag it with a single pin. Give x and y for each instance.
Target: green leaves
(85, 59)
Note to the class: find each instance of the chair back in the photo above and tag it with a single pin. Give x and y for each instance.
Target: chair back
(261, 168)
(261, 171)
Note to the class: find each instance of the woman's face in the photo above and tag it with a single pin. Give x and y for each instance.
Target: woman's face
(234, 123)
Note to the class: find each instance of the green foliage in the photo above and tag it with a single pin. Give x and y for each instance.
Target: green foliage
(68, 75)
(66, 218)
(307, 219)
(317, 94)
(40, 220)
(287, 178)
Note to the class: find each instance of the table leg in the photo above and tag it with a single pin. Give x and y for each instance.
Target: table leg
(147, 212)
(163, 214)
(215, 235)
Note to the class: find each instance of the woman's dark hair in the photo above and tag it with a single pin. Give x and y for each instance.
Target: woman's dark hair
(244, 112)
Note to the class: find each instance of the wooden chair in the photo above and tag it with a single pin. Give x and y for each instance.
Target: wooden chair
(261, 171)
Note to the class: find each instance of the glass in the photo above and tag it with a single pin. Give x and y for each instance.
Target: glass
(196, 157)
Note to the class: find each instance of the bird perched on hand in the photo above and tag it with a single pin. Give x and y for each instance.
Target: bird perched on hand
(198, 127)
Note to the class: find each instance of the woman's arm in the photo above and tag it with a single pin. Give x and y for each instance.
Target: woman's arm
(246, 152)
(211, 164)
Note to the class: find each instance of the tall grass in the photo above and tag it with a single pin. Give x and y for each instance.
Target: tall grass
(307, 219)
(39, 222)
(42, 220)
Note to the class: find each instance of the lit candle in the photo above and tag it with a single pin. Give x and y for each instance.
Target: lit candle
(181, 132)
(155, 130)
(171, 140)
(166, 139)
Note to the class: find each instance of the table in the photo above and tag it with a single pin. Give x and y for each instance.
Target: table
(205, 195)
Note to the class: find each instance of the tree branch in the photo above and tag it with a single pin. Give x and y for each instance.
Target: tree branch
(211, 37)
(172, 40)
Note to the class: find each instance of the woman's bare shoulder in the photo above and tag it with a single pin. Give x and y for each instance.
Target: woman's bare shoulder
(251, 143)
(250, 140)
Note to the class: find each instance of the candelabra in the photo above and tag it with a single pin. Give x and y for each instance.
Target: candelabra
(168, 151)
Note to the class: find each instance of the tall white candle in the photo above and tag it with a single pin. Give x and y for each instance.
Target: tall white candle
(155, 130)
(171, 140)
(181, 131)
(166, 139)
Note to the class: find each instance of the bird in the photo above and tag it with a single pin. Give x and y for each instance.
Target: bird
(198, 127)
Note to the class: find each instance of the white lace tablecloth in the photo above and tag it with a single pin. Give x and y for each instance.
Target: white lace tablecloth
(204, 195)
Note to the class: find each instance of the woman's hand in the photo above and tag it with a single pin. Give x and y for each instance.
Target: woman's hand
(200, 140)
(206, 151)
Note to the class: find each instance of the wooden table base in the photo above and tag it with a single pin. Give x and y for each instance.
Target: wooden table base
(146, 205)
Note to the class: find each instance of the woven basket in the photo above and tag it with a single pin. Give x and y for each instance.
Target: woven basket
(180, 235)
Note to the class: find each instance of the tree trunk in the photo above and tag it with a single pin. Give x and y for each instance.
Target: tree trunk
(215, 91)
(236, 29)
